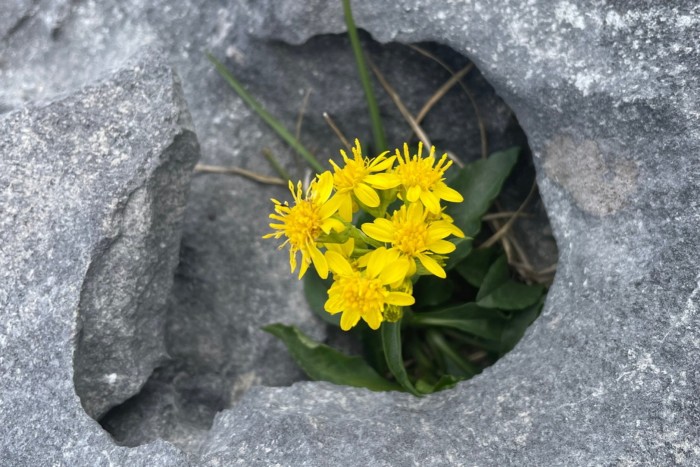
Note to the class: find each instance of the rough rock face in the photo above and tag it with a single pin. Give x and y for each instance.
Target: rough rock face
(607, 95)
(92, 194)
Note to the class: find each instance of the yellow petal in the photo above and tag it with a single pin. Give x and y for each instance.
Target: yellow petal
(349, 319)
(373, 319)
(381, 163)
(413, 194)
(415, 212)
(366, 195)
(447, 193)
(441, 229)
(442, 247)
(319, 261)
(332, 224)
(377, 232)
(304, 266)
(333, 305)
(394, 272)
(376, 262)
(330, 207)
(383, 181)
(431, 265)
(323, 187)
(345, 208)
(400, 299)
(430, 201)
(338, 264)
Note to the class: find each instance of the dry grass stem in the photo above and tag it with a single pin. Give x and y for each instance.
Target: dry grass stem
(503, 215)
(503, 230)
(470, 96)
(337, 131)
(440, 93)
(216, 169)
(302, 112)
(422, 136)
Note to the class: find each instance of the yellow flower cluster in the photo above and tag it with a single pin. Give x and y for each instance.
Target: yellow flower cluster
(372, 266)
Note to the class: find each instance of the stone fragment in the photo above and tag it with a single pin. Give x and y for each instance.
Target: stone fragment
(92, 193)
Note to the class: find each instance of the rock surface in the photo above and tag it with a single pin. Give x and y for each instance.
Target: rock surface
(92, 194)
(607, 97)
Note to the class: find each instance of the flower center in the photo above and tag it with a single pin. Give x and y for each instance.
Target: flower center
(410, 237)
(350, 175)
(418, 172)
(303, 223)
(361, 294)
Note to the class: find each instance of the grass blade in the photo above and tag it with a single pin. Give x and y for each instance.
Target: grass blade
(265, 115)
(377, 127)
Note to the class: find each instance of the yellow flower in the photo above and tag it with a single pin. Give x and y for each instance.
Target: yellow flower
(365, 293)
(304, 222)
(358, 177)
(422, 179)
(414, 237)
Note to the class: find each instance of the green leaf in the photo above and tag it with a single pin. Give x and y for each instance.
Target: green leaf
(271, 121)
(372, 347)
(495, 276)
(432, 291)
(391, 342)
(480, 183)
(468, 317)
(323, 363)
(316, 293)
(377, 127)
(500, 292)
(454, 363)
(516, 327)
(475, 266)
(464, 248)
(445, 382)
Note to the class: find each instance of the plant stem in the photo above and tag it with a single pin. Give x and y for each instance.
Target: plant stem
(265, 115)
(377, 127)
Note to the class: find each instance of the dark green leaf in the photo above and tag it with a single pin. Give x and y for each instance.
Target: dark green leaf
(475, 266)
(323, 363)
(432, 291)
(496, 276)
(445, 382)
(500, 292)
(372, 347)
(454, 363)
(467, 317)
(480, 183)
(316, 292)
(512, 296)
(464, 247)
(391, 342)
(516, 327)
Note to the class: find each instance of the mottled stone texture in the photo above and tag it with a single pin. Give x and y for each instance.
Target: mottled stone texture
(608, 97)
(92, 195)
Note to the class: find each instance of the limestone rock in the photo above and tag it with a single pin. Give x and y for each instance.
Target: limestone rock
(92, 193)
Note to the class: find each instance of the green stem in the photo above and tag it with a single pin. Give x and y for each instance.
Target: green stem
(391, 343)
(275, 164)
(265, 115)
(440, 343)
(377, 127)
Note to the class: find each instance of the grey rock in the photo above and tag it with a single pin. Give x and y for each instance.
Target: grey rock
(93, 188)
(607, 96)
(609, 373)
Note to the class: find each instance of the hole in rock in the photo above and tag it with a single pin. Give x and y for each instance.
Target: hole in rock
(229, 282)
